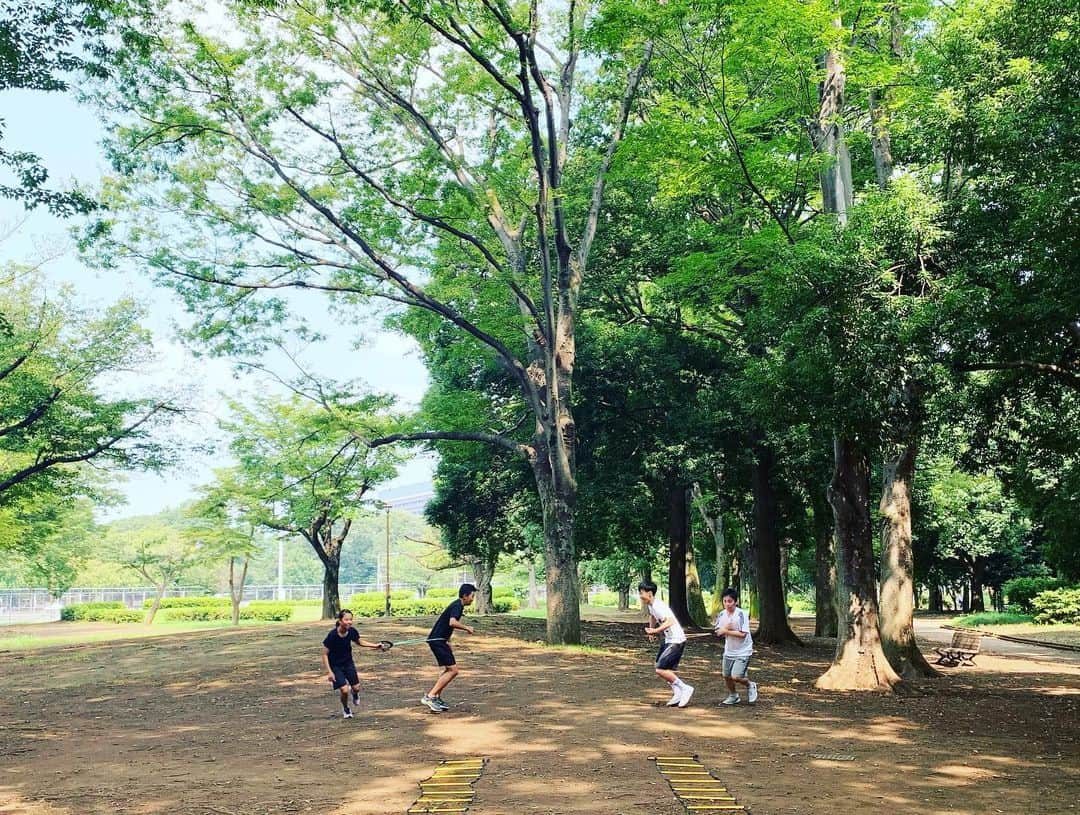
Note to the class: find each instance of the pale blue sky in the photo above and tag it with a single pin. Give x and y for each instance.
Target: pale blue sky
(67, 136)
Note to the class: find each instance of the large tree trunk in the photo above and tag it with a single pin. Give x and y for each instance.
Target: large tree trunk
(977, 601)
(624, 598)
(331, 602)
(898, 568)
(825, 566)
(860, 662)
(483, 573)
(563, 600)
(937, 598)
(715, 525)
(695, 602)
(678, 541)
(773, 624)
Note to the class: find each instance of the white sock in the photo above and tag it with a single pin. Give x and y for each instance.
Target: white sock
(678, 683)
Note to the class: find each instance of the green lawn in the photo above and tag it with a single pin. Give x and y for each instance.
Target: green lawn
(45, 635)
(1020, 625)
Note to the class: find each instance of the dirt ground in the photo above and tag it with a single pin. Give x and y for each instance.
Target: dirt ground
(240, 722)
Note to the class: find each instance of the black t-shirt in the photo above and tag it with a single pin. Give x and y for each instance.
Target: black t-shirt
(341, 647)
(442, 625)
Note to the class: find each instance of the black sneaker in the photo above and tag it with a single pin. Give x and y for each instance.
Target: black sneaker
(442, 705)
(346, 713)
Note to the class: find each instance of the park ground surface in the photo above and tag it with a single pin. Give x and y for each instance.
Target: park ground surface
(240, 722)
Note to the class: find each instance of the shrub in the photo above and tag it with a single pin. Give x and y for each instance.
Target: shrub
(604, 598)
(1057, 606)
(369, 596)
(503, 592)
(89, 612)
(196, 613)
(270, 610)
(186, 602)
(505, 605)
(441, 592)
(1021, 591)
(121, 615)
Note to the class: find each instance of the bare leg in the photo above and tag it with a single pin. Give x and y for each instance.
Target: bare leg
(447, 676)
(344, 691)
(668, 676)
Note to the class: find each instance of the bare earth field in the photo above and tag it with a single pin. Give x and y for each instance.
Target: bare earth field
(230, 722)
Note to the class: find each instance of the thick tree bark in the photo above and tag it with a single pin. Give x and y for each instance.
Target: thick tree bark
(483, 573)
(563, 600)
(678, 542)
(331, 602)
(937, 599)
(825, 566)
(860, 662)
(695, 602)
(773, 624)
(898, 567)
(624, 598)
(977, 601)
(715, 525)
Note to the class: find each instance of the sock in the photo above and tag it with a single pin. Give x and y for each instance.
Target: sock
(678, 683)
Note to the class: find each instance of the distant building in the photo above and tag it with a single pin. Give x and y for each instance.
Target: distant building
(411, 498)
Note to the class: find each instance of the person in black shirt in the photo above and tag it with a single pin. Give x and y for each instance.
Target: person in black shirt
(338, 659)
(439, 640)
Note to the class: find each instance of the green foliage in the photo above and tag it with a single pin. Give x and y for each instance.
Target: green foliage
(604, 598)
(375, 596)
(58, 362)
(1021, 591)
(89, 612)
(187, 602)
(1057, 606)
(256, 610)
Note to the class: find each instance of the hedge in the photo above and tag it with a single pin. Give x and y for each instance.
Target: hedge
(186, 602)
(371, 596)
(269, 610)
(122, 615)
(1021, 591)
(90, 612)
(443, 592)
(1058, 606)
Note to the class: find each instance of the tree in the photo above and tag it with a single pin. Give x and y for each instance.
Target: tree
(57, 363)
(350, 149)
(43, 43)
(158, 548)
(303, 470)
(45, 541)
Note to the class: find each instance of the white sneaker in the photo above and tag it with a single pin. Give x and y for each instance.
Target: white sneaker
(733, 699)
(751, 694)
(684, 697)
(346, 713)
(675, 697)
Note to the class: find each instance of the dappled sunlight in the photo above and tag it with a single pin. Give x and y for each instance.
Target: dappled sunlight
(249, 730)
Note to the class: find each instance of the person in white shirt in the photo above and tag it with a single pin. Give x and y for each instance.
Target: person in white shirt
(662, 621)
(733, 624)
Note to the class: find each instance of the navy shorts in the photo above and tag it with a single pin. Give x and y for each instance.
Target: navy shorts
(444, 654)
(667, 658)
(345, 675)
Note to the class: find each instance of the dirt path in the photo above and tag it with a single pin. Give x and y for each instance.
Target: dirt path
(239, 723)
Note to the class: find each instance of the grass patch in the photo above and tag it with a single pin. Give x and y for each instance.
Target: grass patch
(531, 613)
(984, 618)
(77, 633)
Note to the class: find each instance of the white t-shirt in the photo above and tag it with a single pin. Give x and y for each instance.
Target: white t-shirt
(739, 620)
(662, 612)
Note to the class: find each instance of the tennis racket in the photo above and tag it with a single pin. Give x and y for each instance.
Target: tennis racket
(387, 645)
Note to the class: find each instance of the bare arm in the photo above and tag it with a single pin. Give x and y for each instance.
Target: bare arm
(460, 626)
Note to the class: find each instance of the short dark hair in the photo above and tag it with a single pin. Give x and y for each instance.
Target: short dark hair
(647, 585)
(466, 589)
(341, 614)
(729, 592)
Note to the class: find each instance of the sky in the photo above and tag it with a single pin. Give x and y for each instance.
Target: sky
(68, 138)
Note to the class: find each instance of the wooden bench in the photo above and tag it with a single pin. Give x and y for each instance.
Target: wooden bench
(962, 650)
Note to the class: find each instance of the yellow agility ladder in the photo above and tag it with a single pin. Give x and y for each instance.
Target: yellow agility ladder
(450, 788)
(695, 786)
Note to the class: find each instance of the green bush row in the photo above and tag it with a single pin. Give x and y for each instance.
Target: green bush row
(1058, 606)
(269, 610)
(1021, 591)
(604, 598)
(88, 612)
(186, 602)
(445, 592)
(122, 615)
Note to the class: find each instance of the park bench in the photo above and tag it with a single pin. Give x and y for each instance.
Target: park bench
(962, 650)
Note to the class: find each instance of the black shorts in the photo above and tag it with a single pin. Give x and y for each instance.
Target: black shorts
(345, 675)
(444, 654)
(668, 656)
